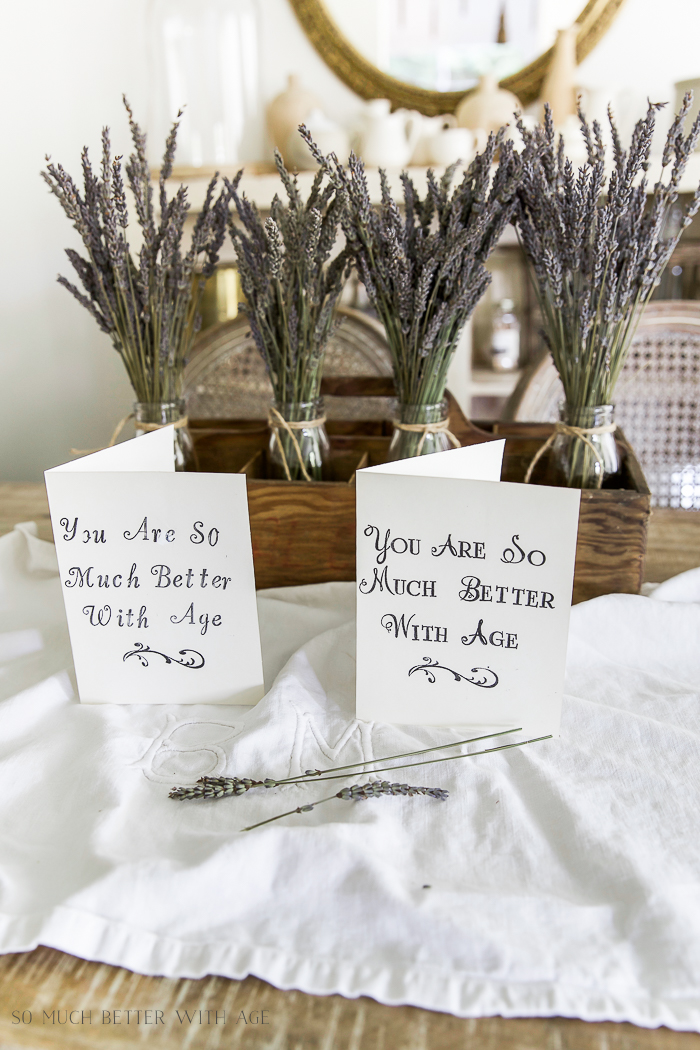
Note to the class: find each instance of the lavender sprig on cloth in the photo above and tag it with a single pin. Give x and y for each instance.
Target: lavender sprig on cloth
(148, 304)
(597, 252)
(223, 787)
(358, 793)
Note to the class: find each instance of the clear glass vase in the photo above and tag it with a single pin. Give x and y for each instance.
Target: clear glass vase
(297, 452)
(405, 444)
(589, 460)
(204, 57)
(150, 416)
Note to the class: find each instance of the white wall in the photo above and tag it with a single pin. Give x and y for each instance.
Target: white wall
(62, 70)
(63, 67)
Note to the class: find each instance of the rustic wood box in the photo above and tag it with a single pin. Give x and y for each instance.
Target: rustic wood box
(305, 533)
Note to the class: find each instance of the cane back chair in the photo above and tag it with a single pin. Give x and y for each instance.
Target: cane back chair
(657, 400)
(226, 378)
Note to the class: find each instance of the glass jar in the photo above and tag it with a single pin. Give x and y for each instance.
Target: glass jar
(588, 460)
(150, 416)
(298, 452)
(204, 59)
(405, 444)
(505, 337)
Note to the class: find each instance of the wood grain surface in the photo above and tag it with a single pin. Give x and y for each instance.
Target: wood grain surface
(47, 980)
(25, 501)
(673, 544)
(51, 981)
(612, 537)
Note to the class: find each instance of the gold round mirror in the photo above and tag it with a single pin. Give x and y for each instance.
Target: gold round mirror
(427, 54)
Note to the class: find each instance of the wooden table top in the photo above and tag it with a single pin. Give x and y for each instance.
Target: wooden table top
(38, 987)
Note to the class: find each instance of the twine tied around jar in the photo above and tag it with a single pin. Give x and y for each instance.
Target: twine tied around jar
(277, 422)
(576, 432)
(147, 427)
(428, 428)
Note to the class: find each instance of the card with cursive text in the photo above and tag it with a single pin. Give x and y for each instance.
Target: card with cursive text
(463, 593)
(156, 570)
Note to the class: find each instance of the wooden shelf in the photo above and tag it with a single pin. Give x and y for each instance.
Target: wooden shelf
(260, 183)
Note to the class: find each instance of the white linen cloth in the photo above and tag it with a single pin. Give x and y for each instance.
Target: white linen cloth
(558, 879)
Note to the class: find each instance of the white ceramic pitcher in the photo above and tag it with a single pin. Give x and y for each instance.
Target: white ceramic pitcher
(387, 140)
(451, 144)
(429, 128)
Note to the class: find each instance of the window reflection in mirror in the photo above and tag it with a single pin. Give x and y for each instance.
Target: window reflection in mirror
(446, 45)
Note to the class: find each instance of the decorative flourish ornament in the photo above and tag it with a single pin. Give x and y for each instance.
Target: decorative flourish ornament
(191, 661)
(485, 677)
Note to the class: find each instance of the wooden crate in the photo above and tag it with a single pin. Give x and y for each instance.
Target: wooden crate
(305, 533)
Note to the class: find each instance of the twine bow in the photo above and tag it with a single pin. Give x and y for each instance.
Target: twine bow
(428, 428)
(577, 432)
(276, 421)
(148, 427)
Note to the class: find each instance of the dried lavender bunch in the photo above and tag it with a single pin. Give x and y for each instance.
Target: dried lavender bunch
(289, 281)
(148, 304)
(597, 252)
(425, 271)
(358, 793)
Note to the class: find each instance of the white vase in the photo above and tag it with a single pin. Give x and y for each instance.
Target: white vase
(489, 107)
(204, 59)
(387, 139)
(559, 87)
(429, 128)
(328, 136)
(450, 145)
(287, 111)
(681, 87)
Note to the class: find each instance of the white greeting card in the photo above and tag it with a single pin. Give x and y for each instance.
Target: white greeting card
(156, 570)
(463, 593)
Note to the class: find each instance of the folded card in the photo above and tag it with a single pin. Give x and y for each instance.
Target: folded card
(464, 589)
(157, 576)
